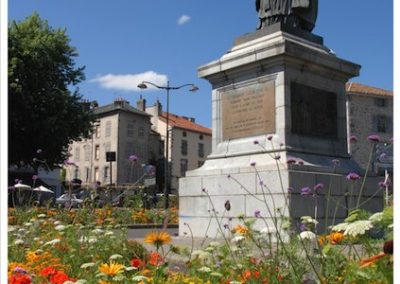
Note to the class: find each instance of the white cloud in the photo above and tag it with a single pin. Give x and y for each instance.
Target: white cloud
(129, 82)
(183, 20)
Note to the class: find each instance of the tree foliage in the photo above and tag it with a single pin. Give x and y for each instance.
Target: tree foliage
(46, 110)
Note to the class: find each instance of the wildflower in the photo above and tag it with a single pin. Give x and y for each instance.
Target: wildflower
(48, 271)
(87, 265)
(384, 184)
(52, 242)
(111, 269)
(269, 137)
(353, 176)
(115, 256)
(20, 279)
(336, 238)
(204, 269)
(59, 278)
(155, 259)
(60, 227)
(133, 158)
(308, 235)
(227, 205)
(19, 242)
(376, 218)
(158, 238)
(341, 227)
(255, 142)
(268, 231)
(305, 191)
(136, 262)
(291, 161)
(253, 164)
(140, 278)
(277, 157)
(358, 228)
(353, 139)
(318, 186)
(336, 162)
(237, 239)
(257, 214)
(242, 230)
(300, 162)
(374, 138)
(32, 256)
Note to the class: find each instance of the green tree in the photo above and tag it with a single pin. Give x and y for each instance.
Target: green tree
(46, 110)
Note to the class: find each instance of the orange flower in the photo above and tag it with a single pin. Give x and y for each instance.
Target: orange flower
(155, 258)
(158, 238)
(103, 282)
(371, 260)
(136, 262)
(336, 238)
(241, 229)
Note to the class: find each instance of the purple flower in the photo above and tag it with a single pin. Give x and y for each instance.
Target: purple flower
(353, 176)
(17, 181)
(255, 142)
(305, 191)
(277, 157)
(39, 151)
(353, 139)
(290, 190)
(382, 157)
(149, 170)
(291, 161)
(374, 138)
(384, 184)
(35, 177)
(253, 164)
(269, 137)
(133, 158)
(318, 186)
(300, 162)
(336, 162)
(303, 227)
(257, 214)
(20, 270)
(69, 163)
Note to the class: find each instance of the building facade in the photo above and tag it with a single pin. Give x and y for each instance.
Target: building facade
(118, 128)
(189, 142)
(369, 111)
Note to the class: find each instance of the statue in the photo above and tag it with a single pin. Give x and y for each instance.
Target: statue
(296, 13)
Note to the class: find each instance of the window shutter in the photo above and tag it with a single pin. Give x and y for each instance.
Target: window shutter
(375, 123)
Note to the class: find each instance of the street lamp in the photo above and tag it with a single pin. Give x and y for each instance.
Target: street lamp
(193, 88)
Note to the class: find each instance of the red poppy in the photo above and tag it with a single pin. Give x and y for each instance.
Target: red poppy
(60, 277)
(20, 279)
(48, 271)
(136, 262)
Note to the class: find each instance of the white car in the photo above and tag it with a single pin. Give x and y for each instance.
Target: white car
(67, 200)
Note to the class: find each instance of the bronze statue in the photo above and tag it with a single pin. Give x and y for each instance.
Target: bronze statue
(296, 13)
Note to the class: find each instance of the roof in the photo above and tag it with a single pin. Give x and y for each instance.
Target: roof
(118, 106)
(184, 123)
(357, 88)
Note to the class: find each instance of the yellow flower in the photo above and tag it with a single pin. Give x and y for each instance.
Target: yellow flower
(32, 256)
(111, 269)
(158, 238)
(103, 282)
(242, 230)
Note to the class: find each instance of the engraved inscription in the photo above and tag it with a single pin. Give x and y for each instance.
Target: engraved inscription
(248, 111)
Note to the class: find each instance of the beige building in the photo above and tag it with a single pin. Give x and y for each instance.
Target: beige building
(369, 111)
(119, 128)
(189, 145)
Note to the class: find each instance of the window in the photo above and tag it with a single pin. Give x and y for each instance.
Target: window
(97, 152)
(77, 154)
(86, 150)
(108, 128)
(184, 147)
(87, 171)
(184, 134)
(184, 164)
(96, 174)
(76, 173)
(141, 131)
(383, 124)
(380, 102)
(201, 150)
(97, 131)
(129, 130)
(106, 173)
(201, 137)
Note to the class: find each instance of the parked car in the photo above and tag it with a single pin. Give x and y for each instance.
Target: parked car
(69, 200)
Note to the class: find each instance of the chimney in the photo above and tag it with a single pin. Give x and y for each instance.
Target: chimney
(141, 104)
(120, 102)
(158, 106)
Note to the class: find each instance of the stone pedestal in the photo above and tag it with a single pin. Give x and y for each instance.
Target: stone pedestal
(276, 97)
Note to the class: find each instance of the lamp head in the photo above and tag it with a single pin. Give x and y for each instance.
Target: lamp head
(142, 86)
(194, 88)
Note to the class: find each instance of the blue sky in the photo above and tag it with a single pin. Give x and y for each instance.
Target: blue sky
(121, 41)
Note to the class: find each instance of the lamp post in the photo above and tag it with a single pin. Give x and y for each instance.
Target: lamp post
(166, 165)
